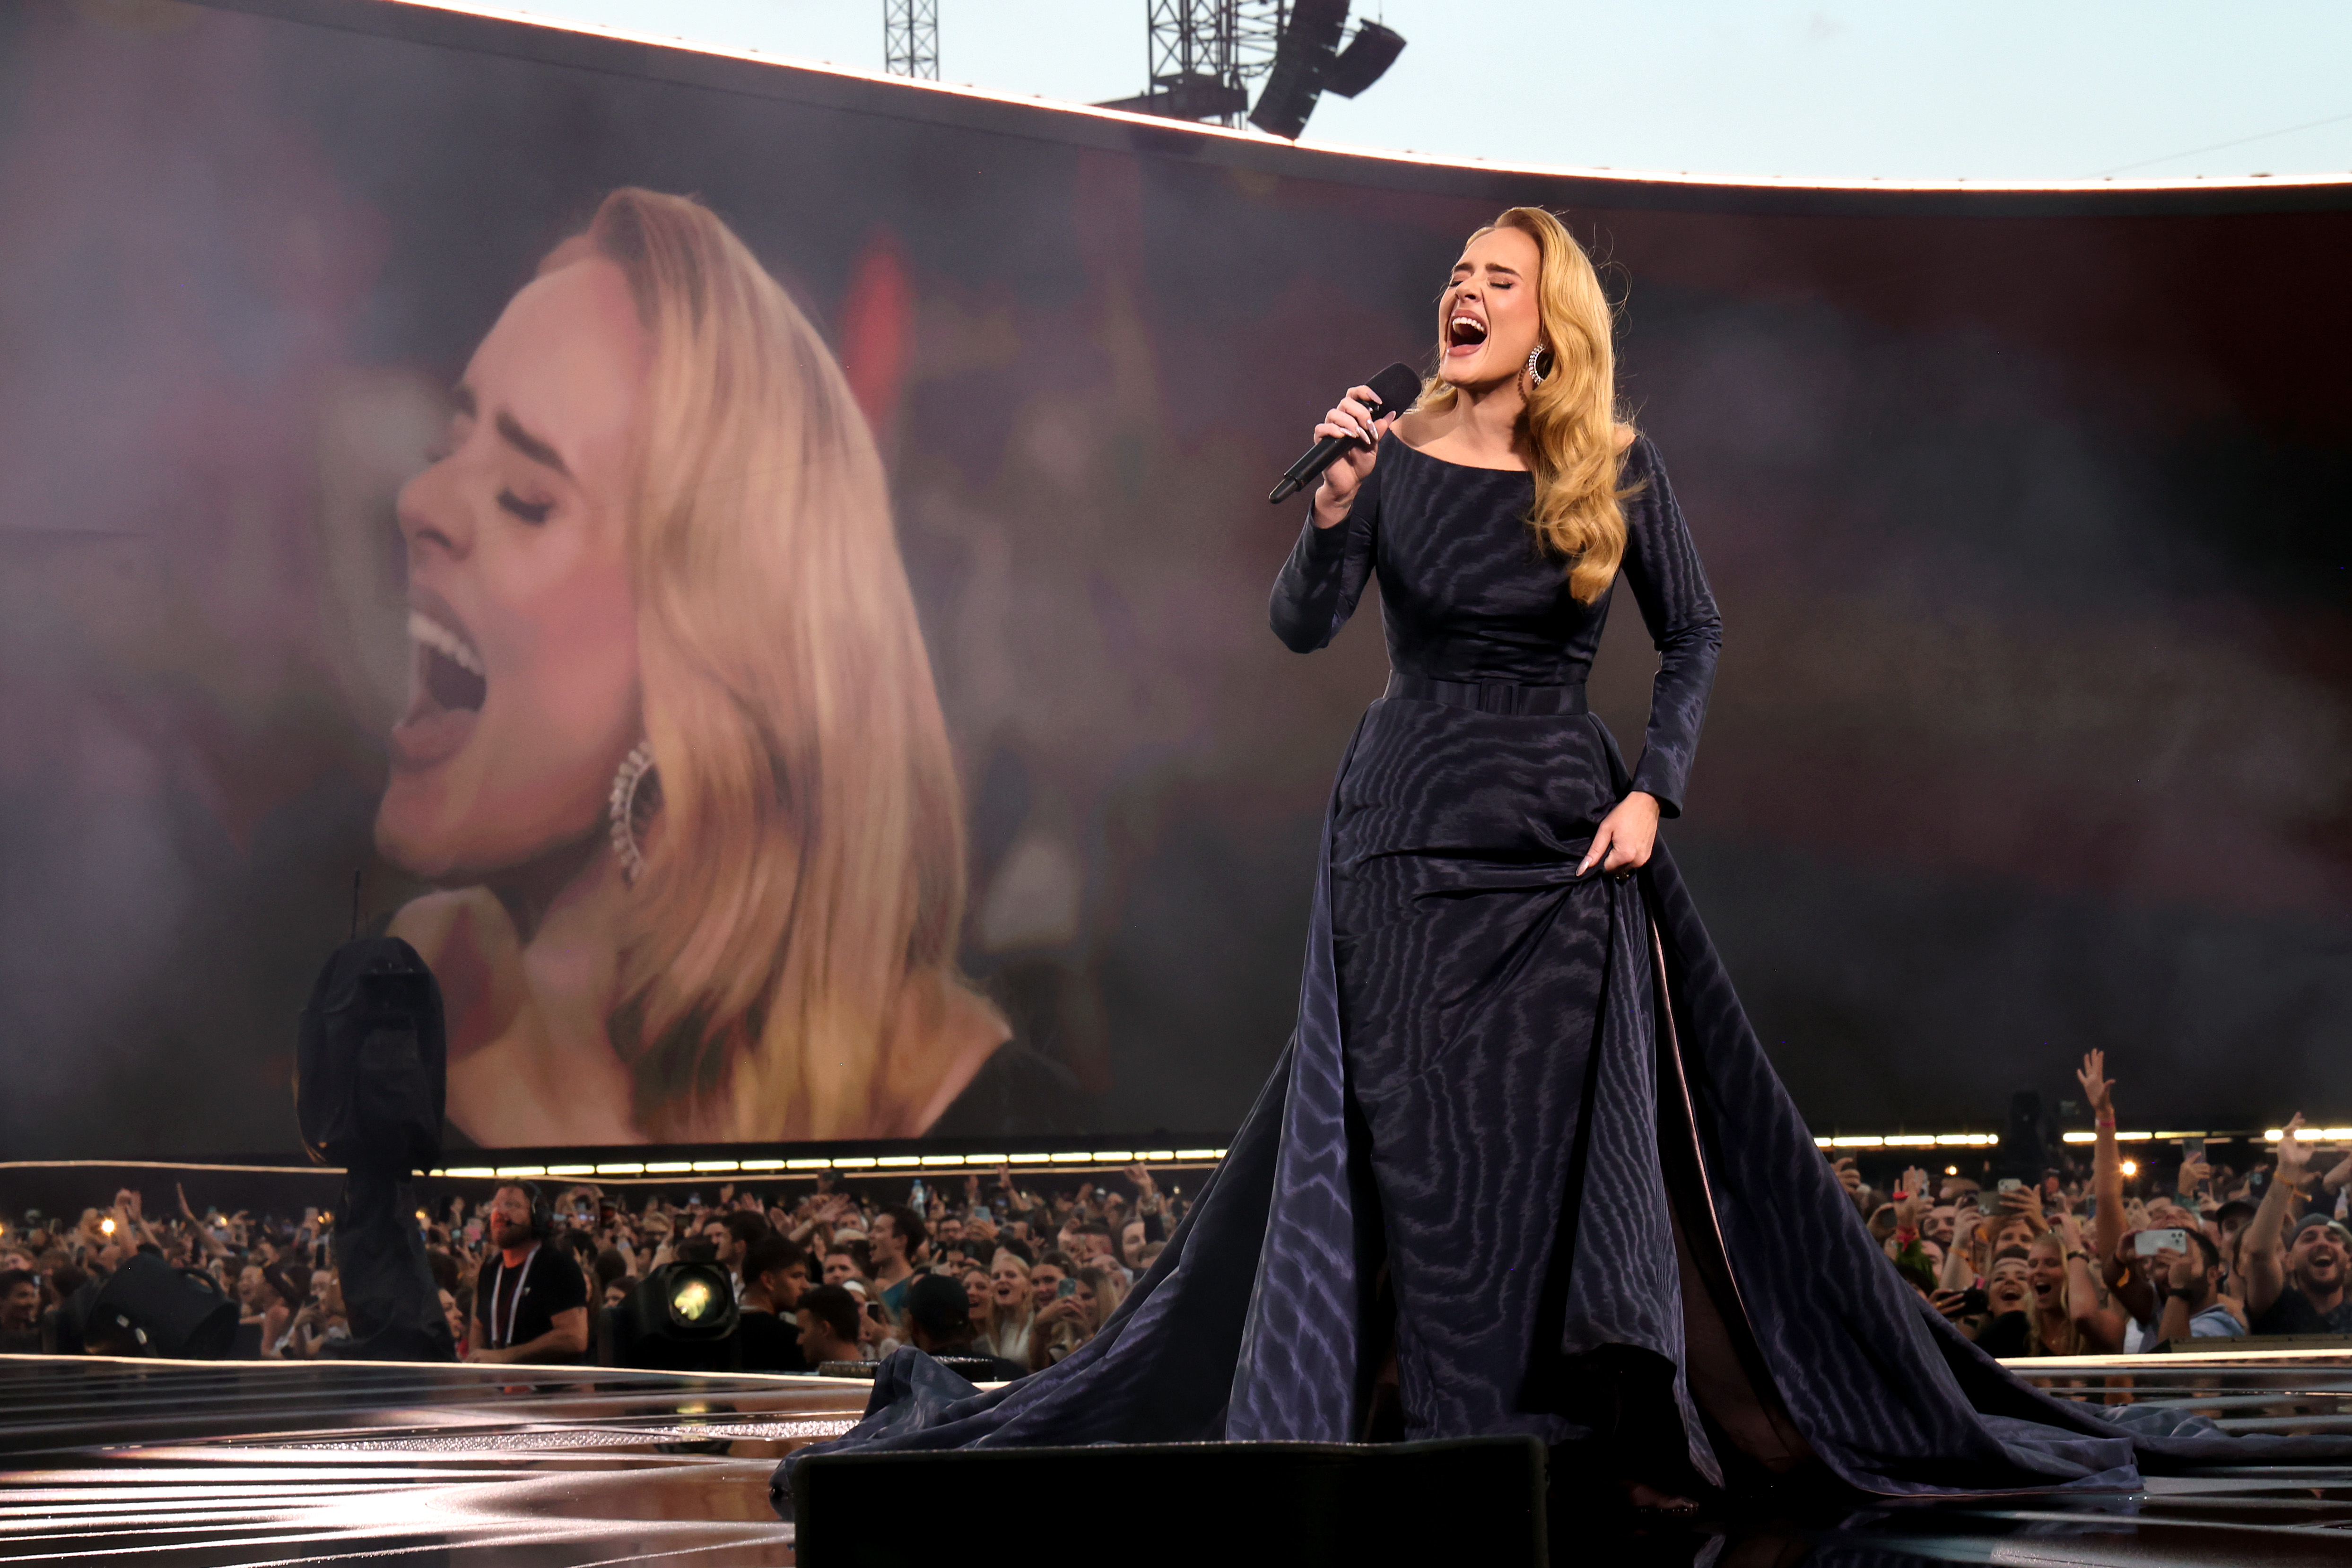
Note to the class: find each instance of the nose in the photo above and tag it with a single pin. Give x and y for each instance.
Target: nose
(433, 515)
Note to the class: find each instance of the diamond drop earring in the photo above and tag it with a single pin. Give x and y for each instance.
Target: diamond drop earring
(637, 796)
(1534, 375)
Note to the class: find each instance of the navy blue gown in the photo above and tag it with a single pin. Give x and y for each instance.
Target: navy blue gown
(1523, 1147)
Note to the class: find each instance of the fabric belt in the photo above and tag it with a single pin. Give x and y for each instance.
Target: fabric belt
(1489, 696)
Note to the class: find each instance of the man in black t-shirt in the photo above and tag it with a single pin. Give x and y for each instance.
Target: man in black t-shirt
(2314, 1300)
(775, 1273)
(530, 1303)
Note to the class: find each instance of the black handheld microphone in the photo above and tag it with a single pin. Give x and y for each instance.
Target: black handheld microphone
(1396, 387)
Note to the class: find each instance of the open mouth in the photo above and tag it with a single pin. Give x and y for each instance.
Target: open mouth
(446, 689)
(448, 672)
(1466, 331)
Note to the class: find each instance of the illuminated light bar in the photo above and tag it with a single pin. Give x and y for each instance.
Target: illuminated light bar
(1913, 1141)
(666, 1167)
(763, 1165)
(983, 1159)
(1113, 1156)
(621, 1168)
(467, 1172)
(1026, 1159)
(899, 1160)
(718, 1164)
(855, 1163)
(521, 1171)
(571, 1170)
(1157, 1154)
(947, 1159)
(808, 1164)
(1198, 1155)
(2306, 1134)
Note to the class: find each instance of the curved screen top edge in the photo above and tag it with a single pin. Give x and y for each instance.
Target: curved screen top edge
(492, 29)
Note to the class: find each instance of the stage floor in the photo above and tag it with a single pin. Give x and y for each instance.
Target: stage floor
(188, 1464)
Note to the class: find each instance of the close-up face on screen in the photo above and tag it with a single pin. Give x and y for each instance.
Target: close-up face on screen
(765, 589)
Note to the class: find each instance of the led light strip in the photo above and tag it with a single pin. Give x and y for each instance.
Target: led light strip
(909, 1162)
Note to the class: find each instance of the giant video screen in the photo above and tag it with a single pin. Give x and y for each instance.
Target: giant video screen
(760, 574)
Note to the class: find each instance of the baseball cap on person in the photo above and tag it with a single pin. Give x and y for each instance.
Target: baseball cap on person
(939, 1302)
(2343, 1237)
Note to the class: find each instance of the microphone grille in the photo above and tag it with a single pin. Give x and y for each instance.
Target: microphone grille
(1397, 388)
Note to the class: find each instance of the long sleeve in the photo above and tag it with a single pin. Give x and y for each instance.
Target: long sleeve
(1662, 567)
(1319, 585)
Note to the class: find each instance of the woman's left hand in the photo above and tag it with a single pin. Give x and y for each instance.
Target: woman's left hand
(1626, 836)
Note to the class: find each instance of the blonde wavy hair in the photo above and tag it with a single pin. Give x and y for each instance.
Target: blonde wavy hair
(787, 963)
(1569, 430)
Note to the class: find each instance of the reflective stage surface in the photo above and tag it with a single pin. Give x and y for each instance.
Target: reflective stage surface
(244, 1463)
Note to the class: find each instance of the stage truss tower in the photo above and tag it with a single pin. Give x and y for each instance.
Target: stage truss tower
(910, 38)
(1201, 56)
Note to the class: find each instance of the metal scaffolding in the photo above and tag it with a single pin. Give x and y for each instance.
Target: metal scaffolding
(910, 38)
(1200, 57)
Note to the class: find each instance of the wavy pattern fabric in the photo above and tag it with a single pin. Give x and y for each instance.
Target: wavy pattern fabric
(1471, 1099)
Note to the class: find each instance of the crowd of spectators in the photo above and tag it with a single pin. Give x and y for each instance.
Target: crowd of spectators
(2149, 1244)
(2159, 1244)
(1017, 1272)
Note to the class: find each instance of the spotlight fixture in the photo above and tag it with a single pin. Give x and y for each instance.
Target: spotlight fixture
(681, 1318)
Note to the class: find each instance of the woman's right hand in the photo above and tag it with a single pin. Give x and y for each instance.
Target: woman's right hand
(1352, 417)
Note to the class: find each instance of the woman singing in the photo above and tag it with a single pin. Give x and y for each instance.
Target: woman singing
(673, 752)
(1524, 1148)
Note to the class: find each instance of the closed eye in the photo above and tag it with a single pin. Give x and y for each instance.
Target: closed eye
(532, 512)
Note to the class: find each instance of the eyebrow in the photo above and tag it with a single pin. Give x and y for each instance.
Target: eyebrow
(529, 445)
(510, 430)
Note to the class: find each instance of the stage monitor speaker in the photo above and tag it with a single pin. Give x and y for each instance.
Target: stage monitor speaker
(1304, 1505)
(150, 1309)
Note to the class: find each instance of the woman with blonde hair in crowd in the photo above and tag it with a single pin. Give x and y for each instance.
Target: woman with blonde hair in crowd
(1010, 1311)
(673, 751)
